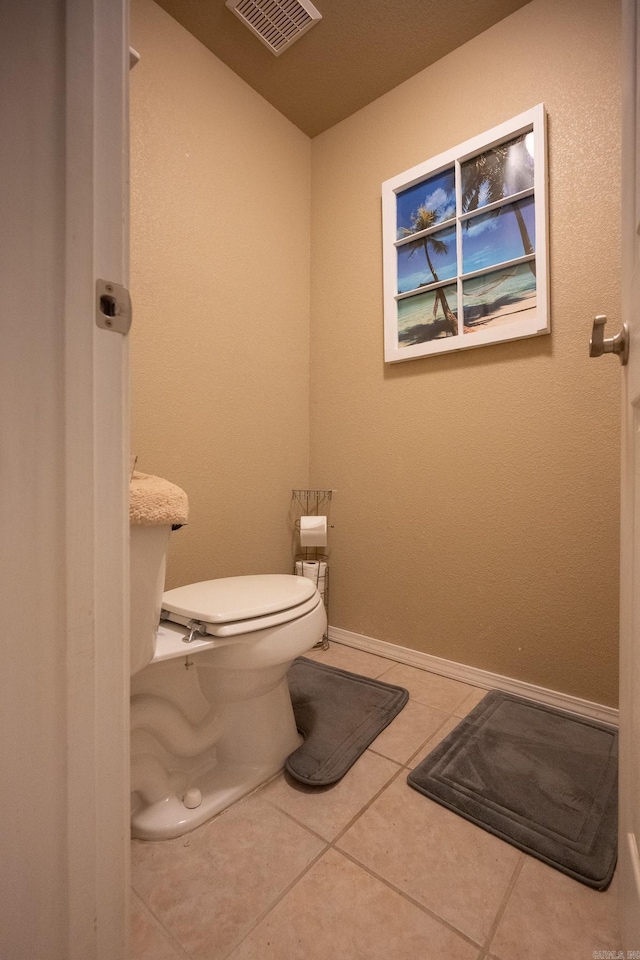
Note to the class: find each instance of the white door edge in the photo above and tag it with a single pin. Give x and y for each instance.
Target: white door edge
(96, 464)
(629, 779)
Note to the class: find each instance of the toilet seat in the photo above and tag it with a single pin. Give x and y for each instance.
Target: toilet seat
(231, 606)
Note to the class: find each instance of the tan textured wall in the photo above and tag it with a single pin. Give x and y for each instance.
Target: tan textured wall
(477, 506)
(220, 283)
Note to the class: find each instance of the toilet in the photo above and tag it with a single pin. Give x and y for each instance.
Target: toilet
(211, 713)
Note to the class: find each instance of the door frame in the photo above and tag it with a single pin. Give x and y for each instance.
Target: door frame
(629, 819)
(96, 429)
(64, 842)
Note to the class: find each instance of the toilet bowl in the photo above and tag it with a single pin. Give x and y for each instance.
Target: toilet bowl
(211, 713)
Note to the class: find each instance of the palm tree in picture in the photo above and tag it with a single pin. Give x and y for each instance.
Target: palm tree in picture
(423, 219)
(484, 180)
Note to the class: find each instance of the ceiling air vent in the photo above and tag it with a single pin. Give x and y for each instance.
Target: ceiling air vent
(278, 23)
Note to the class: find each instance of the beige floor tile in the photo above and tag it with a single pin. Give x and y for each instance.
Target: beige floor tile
(433, 742)
(328, 810)
(415, 723)
(470, 701)
(460, 712)
(551, 915)
(339, 911)
(355, 661)
(438, 858)
(209, 887)
(430, 688)
(148, 940)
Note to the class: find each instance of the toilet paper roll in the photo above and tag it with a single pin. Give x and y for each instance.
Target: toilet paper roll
(313, 531)
(315, 570)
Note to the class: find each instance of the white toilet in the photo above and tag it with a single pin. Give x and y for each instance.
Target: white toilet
(211, 719)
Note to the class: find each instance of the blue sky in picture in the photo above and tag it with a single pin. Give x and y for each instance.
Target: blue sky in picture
(437, 193)
(487, 239)
(413, 266)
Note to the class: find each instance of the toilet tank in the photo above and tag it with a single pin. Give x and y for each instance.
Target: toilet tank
(155, 507)
(148, 554)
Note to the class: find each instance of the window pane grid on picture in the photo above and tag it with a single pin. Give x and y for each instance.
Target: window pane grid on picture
(493, 193)
(464, 234)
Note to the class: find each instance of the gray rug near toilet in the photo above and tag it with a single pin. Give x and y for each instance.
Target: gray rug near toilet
(543, 780)
(339, 714)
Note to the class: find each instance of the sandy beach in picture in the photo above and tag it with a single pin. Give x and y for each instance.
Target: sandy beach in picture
(505, 315)
(422, 318)
(498, 298)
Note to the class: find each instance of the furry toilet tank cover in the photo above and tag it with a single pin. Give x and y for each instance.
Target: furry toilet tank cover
(154, 501)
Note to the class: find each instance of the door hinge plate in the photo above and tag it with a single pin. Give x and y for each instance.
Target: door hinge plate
(113, 307)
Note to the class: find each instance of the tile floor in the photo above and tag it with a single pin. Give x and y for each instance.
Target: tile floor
(363, 870)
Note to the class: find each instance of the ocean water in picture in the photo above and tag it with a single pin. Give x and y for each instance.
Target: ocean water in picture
(500, 297)
(428, 316)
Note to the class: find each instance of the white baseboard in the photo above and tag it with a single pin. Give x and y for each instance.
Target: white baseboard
(475, 676)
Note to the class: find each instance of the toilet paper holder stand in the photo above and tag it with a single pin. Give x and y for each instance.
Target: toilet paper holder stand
(313, 503)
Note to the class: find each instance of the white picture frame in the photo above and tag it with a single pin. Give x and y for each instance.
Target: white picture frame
(465, 244)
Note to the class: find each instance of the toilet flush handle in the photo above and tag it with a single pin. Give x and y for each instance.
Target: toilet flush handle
(196, 629)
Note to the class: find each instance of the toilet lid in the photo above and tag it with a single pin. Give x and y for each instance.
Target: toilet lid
(238, 598)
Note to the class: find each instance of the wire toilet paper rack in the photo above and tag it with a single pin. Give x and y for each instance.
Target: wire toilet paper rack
(312, 562)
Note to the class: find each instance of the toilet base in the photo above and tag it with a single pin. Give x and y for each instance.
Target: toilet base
(220, 786)
(213, 724)
(240, 745)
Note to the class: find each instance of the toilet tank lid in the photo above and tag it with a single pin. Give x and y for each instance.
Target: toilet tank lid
(238, 598)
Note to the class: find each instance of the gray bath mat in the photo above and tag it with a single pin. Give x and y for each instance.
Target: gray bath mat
(339, 714)
(543, 780)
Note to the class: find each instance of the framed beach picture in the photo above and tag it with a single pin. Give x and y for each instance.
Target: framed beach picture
(465, 244)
